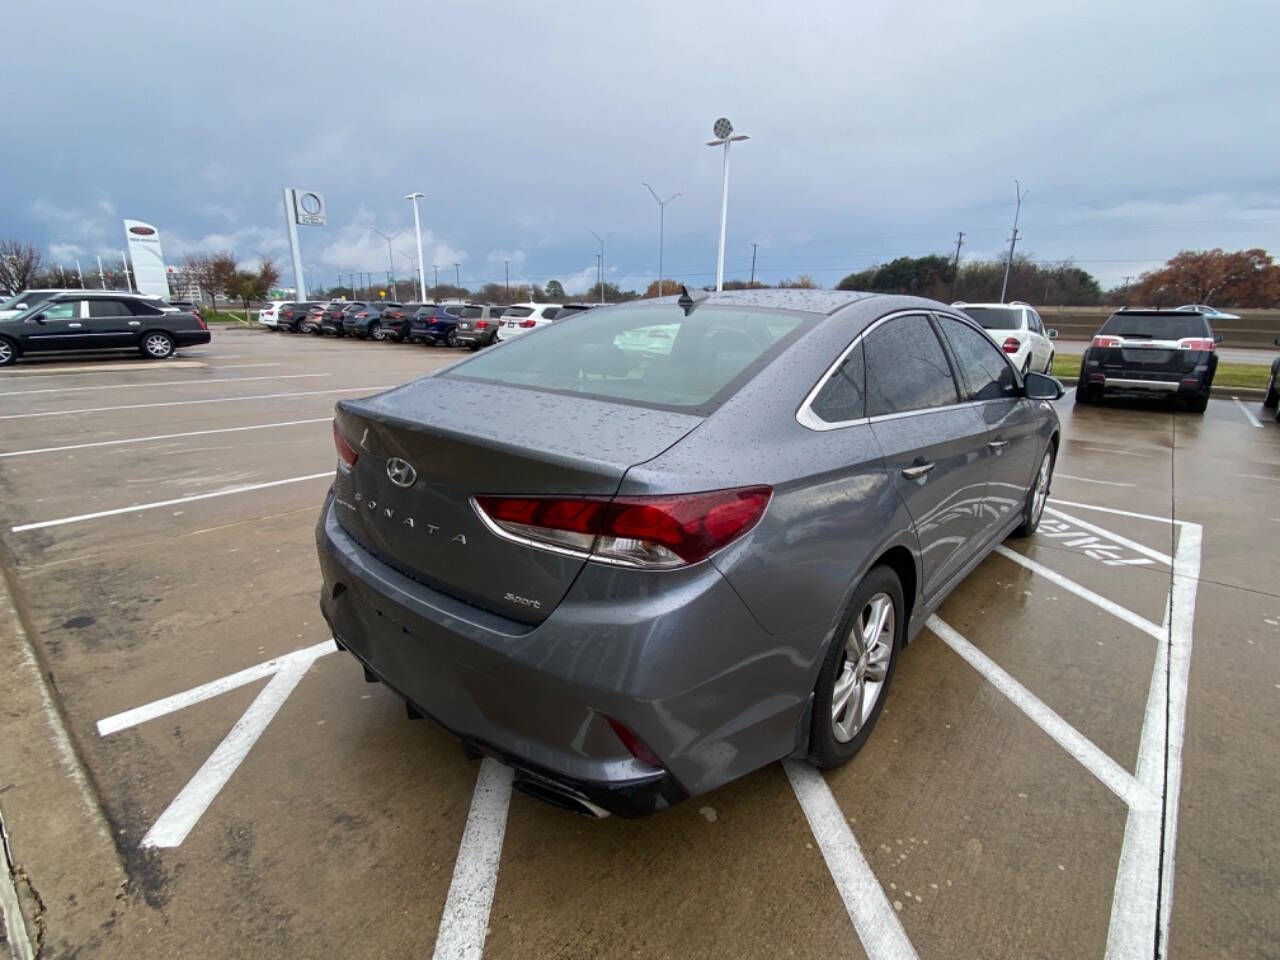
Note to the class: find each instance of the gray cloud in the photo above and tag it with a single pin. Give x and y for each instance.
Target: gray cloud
(877, 129)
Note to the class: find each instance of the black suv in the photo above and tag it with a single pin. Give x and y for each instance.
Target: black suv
(85, 320)
(334, 313)
(295, 316)
(1148, 353)
(1272, 399)
(367, 322)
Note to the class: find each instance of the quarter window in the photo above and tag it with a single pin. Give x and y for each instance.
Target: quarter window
(906, 368)
(844, 396)
(987, 373)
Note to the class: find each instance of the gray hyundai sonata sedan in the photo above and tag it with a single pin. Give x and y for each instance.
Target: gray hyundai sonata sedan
(650, 549)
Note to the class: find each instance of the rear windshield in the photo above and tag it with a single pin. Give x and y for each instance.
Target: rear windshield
(653, 355)
(1160, 327)
(517, 312)
(994, 318)
(472, 311)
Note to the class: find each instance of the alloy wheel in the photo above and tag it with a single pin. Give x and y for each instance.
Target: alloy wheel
(376, 331)
(6, 352)
(158, 345)
(1042, 488)
(867, 653)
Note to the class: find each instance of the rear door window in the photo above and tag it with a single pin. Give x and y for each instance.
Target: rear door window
(844, 396)
(652, 355)
(108, 308)
(139, 308)
(906, 368)
(987, 374)
(996, 318)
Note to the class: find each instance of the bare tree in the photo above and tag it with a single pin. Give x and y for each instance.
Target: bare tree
(214, 272)
(19, 264)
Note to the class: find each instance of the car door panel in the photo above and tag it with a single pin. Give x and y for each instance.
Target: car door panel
(111, 324)
(61, 327)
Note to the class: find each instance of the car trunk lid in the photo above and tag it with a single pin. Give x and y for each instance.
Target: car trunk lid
(425, 449)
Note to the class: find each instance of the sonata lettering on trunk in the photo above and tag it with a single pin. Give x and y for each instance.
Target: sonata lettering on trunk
(384, 512)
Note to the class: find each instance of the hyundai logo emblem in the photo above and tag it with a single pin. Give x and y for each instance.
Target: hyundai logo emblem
(401, 472)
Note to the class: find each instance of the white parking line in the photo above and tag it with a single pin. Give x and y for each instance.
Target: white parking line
(1106, 483)
(1118, 513)
(162, 383)
(160, 436)
(1258, 476)
(874, 920)
(241, 366)
(1084, 593)
(1248, 413)
(136, 508)
(184, 403)
(158, 708)
(1113, 776)
(465, 920)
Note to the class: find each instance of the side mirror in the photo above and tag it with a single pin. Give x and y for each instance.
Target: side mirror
(1039, 386)
(1051, 333)
(39, 317)
(1278, 341)
(1217, 338)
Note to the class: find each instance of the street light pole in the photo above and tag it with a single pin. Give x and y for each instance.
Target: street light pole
(435, 268)
(1013, 238)
(128, 283)
(602, 240)
(417, 232)
(410, 259)
(457, 276)
(391, 274)
(662, 211)
(723, 131)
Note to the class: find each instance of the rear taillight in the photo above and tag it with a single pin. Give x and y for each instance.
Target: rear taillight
(346, 453)
(1196, 343)
(1106, 342)
(1010, 345)
(667, 531)
(482, 324)
(200, 320)
(528, 323)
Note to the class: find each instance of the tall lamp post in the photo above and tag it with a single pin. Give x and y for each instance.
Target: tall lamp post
(417, 232)
(391, 263)
(662, 210)
(602, 241)
(723, 130)
(410, 259)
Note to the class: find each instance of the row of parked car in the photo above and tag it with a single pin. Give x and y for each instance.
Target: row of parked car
(451, 323)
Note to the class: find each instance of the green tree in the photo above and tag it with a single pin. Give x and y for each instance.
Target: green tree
(555, 291)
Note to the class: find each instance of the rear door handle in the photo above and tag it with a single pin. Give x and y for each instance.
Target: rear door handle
(918, 469)
(135, 323)
(997, 443)
(75, 324)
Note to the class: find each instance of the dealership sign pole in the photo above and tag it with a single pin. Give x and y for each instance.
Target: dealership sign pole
(305, 207)
(149, 275)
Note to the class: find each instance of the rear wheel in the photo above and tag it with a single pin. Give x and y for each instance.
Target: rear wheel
(8, 352)
(451, 339)
(376, 332)
(855, 677)
(1198, 404)
(157, 346)
(1033, 509)
(1048, 367)
(1026, 367)
(1272, 400)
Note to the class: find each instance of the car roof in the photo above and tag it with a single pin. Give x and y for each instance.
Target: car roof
(823, 302)
(1016, 305)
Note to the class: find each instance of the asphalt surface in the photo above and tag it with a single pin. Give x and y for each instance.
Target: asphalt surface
(1075, 348)
(1078, 759)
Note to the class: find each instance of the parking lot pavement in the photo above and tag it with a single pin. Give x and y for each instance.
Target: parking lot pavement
(1082, 743)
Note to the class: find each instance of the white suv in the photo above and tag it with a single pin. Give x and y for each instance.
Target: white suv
(1016, 329)
(520, 318)
(269, 315)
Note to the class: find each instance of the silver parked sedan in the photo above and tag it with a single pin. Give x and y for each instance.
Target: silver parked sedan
(660, 545)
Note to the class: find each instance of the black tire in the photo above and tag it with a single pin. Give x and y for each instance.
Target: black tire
(826, 748)
(1198, 404)
(157, 345)
(1026, 367)
(1033, 506)
(375, 331)
(1084, 393)
(1048, 369)
(473, 346)
(8, 352)
(451, 338)
(318, 330)
(1272, 400)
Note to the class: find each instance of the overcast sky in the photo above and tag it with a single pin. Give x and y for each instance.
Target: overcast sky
(877, 129)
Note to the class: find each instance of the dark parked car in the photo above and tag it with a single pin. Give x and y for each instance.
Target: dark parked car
(478, 325)
(437, 323)
(366, 322)
(1150, 353)
(396, 320)
(188, 306)
(295, 317)
(85, 320)
(335, 312)
(1272, 399)
(636, 576)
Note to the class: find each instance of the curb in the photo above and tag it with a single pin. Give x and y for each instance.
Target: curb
(1244, 392)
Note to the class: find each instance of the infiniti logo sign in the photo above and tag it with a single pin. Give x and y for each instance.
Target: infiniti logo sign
(401, 472)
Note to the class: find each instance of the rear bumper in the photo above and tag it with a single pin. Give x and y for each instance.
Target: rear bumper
(686, 668)
(191, 338)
